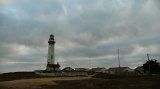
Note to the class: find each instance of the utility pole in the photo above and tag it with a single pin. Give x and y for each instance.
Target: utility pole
(91, 63)
(118, 59)
(119, 71)
(149, 63)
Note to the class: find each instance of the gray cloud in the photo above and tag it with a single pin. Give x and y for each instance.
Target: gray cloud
(85, 31)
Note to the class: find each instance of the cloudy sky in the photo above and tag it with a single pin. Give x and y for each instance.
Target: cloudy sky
(87, 32)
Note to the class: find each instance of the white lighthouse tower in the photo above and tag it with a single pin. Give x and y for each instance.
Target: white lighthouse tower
(51, 66)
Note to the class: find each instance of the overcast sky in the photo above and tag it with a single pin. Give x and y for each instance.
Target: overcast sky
(87, 32)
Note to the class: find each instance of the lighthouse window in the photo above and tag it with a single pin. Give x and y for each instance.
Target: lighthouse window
(51, 56)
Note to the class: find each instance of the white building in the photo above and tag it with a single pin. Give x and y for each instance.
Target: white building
(120, 70)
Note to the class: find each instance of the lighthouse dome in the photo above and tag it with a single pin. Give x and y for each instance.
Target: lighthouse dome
(51, 35)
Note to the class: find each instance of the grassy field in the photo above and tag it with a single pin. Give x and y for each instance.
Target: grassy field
(79, 83)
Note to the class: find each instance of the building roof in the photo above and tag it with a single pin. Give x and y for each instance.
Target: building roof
(68, 69)
(81, 69)
(119, 68)
(98, 69)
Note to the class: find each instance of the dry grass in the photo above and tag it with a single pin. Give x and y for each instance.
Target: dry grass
(82, 83)
(36, 83)
(31, 81)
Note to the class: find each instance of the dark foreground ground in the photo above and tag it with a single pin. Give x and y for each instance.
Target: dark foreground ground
(34, 82)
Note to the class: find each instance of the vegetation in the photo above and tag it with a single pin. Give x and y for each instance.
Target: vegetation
(151, 66)
(19, 75)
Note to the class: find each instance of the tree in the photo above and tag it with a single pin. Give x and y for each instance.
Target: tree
(151, 66)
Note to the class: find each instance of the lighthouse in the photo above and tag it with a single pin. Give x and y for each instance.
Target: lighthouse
(51, 66)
